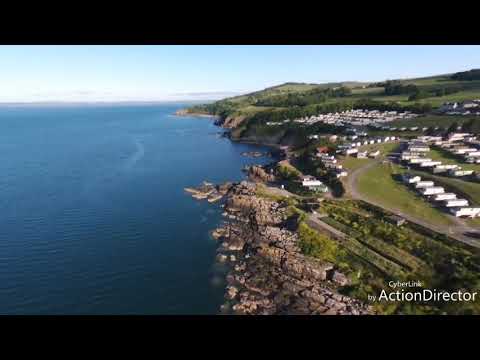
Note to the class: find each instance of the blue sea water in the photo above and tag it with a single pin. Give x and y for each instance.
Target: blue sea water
(94, 218)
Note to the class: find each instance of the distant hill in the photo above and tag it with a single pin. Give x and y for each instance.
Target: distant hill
(470, 75)
(292, 99)
(290, 88)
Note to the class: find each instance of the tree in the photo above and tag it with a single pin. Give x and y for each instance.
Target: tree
(468, 126)
(440, 92)
(470, 75)
(395, 87)
(430, 131)
(472, 126)
(418, 94)
(452, 128)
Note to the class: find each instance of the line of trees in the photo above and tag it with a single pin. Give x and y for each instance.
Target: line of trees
(313, 96)
(395, 87)
(470, 75)
(369, 104)
(423, 94)
(295, 112)
(471, 126)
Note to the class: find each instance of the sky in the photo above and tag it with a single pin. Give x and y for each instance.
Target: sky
(162, 73)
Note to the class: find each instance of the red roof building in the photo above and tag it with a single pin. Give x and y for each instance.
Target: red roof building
(323, 149)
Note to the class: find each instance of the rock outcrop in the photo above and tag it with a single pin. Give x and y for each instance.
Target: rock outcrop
(259, 174)
(209, 191)
(254, 154)
(187, 112)
(230, 122)
(269, 274)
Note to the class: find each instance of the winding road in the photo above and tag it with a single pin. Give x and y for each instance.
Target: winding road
(455, 232)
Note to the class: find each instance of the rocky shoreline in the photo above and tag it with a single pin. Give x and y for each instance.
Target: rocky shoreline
(268, 274)
(184, 112)
(209, 191)
(255, 154)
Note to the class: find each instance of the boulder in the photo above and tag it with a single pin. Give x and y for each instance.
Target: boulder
(257, 173)
(232, 292)
(340, 278)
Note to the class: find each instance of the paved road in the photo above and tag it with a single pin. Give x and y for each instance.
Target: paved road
(455, 232)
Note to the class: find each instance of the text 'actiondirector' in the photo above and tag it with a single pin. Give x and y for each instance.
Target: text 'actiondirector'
(420, 295)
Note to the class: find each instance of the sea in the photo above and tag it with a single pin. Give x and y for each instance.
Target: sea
(94, 217)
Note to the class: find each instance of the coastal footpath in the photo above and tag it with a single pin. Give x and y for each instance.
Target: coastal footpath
(268, 274)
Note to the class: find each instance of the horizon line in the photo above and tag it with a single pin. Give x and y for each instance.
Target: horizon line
(67, 102)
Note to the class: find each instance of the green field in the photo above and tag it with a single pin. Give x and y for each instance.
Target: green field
(443, 121)
(470, 90)
(400, 134)
(384, 148)
(379, 184)
(351, 163)
(446, 157)
(368, 91)
(375, 251)
(428, 121)
(392, 92)
(293, 100)
(464, 189)
(468, 189)
(460, 96)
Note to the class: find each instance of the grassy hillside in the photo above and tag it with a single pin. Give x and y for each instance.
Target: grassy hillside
(375, 252)
(293, 100)
(395, 195)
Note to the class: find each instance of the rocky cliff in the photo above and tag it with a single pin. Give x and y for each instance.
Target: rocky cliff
(269, 274)
(259, 174)
(229, 122)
